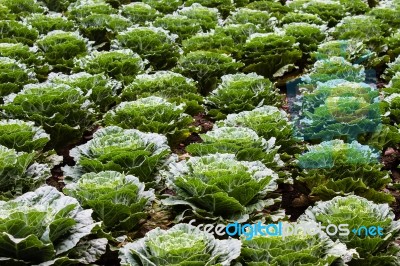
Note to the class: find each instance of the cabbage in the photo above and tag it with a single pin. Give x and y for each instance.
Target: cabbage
(218, 186)
(183, 244)
(44, 227)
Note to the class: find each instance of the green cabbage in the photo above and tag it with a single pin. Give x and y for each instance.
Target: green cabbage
(19, 173)
(152, 114)
(22, 136)
(13, 76)
(49, 22)
(17, 32)
(63, 111)
(218, 186)
(223, 6)
(139, 13)
(102, 28)
(267, 53)
(118, 200)
(103, 90)
(180, 25)
(154, 44)
(205, 16)
(259, 18)
(164, 6)
(45, 227)
(126, 151)
(241, 141)
(241, 92)
(207, 67)
(335, 168)
(183, 244)
(298, 249)
(60, 48)
(123, 65)
(268, 122)
(356, 212)
(338, 108)
(171, 86)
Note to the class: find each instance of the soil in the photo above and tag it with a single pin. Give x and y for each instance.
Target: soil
(56, 178)
(203, 122)
(391, 160)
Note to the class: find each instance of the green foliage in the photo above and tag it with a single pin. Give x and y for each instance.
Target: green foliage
(218, 186)
(13, 76)
(118, 3)
(384, 137)
(240, 3)
(49, 22)
(241, 92)
(390, 106)
(239, 32)
(17, 32)
(5, 13)
(182, 98)
(335, 168)
(182, 244)
(207, 67)
(297, 249)
(180, 25)
(80, 9)
(356, 211)
(299, 17)
(265, 54)
(389, 16)
(351, 50)
(308, 35)
(257, 17)
(119, 201)
(275, 8)
(210, 41)
(123, 65)
(127, 151)
(102, 90)
(59, 5)
(26, 55)
(334, 68)
(154, 44)
(102, 28)
(205, 16)
(394, 85)
(171, 86)
(338, 109)
(392, 69)
(19, 173)
(152, 114)
(47, 227)
(223, 6)
(393, 43)
(22, 136)
(19, 52)
(366, 29)
(139, 13)
(60, 48)
(268, 122)
(164, 6)
(329, 11)
(355, 7)
(241, 141)
(63, 111)
(23, 7)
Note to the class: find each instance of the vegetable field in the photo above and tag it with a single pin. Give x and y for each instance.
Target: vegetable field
(131, 131)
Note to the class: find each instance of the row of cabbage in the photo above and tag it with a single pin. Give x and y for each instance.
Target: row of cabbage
(141, 71)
